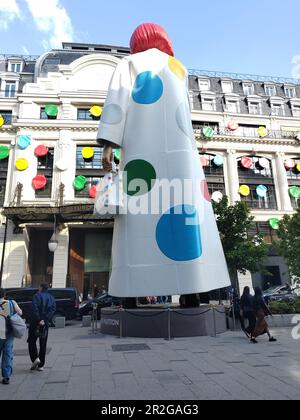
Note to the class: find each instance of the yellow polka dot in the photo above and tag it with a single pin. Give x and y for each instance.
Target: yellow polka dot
(22, 164)
(177, 68)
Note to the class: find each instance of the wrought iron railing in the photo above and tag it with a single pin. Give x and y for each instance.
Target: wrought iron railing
(243, 132)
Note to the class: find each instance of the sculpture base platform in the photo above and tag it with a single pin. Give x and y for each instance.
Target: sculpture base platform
(164, 322)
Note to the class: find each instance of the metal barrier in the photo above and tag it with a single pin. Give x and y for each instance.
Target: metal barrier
(95, 318)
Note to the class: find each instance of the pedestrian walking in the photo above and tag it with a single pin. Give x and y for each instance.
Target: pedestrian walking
(7, 308)
(261, 311)
(247, 312)
(43, 309)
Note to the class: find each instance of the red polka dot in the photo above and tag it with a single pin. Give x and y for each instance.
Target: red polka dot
(205, 191)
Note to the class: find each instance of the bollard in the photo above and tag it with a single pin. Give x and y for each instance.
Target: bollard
(215, 322)
(121, 321)
(169, 324)
(94, 319)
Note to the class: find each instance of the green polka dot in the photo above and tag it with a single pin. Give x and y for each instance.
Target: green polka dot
(4, 152)
(139, 177)
(80, 183)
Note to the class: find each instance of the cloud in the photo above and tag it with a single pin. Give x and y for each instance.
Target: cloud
(9, 11)
(53, 20)
(296, 68)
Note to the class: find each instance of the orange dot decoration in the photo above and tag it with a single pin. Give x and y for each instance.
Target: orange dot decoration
(39, 182)
(41, 151)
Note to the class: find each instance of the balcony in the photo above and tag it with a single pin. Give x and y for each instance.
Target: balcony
(252, 133)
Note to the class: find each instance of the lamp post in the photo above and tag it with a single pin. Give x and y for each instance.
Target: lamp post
(53, 243)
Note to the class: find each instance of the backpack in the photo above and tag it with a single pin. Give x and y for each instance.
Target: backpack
(15, 325)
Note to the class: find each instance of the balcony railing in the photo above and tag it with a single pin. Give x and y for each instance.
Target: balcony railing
(244, 132)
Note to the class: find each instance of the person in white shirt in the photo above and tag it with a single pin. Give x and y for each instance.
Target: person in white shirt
(7, 308)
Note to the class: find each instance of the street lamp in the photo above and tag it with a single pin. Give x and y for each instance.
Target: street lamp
(53, 243)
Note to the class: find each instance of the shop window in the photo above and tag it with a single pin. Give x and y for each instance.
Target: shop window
(254, 201)
(209, 166)
(91, 169)
(45, 167)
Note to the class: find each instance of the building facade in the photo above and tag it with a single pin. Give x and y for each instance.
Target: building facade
(247, 129)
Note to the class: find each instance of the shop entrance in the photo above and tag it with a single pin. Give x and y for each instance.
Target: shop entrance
(89, 260)
(40, 259)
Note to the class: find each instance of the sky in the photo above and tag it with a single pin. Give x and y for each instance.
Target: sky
(244, 36)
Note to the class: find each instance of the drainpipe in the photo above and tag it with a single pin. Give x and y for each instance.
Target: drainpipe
(3, 252)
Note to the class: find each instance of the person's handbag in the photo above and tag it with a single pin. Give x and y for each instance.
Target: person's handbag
(109, 198)
(16, 325)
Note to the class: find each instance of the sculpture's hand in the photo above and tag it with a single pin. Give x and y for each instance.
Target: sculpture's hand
(107, 158)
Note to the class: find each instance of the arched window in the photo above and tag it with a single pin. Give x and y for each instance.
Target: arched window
(213, 166)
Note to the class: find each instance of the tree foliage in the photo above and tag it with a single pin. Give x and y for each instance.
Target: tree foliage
(288, 245)
(243, 252)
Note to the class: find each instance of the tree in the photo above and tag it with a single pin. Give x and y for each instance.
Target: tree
(243, 252)
(288, 245)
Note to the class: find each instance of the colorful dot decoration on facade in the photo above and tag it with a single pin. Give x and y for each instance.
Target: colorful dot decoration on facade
(23, 142)
(218, 161)
(88, 153)
(117, 156)
(298, 167)
(208, 132)
(4, 152)
(289, 164)
(148, 88)
(41, 151)
(80, 183)
(22, 164)
(274, 223)
(51, 111)
(205, 191)
(232, 125)
(39, 182)
(204, 161)
(295, 192)
(139, 178)
(177, 68)
(263, 163)
(62, 165)
(178, 234)
(217, 196)
(262, 132)
(2, 121)
(244, 190)
(247, 162)
(93, 192)
(262, 191)
(96, 111)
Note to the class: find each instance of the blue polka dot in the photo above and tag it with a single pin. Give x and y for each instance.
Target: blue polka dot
(148, 88)
(178, 234)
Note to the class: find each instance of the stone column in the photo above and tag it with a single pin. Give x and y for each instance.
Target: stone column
(232, 176)
(282, 183)
(61, 259)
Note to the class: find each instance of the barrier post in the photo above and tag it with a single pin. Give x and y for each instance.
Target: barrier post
(215, 322)
(169, 324)
(121, 322)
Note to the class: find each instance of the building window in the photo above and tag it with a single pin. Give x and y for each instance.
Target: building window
(3, 178)
(278, 110)
(248, 88)
(254, 108)
(259, 174)
(15, 67)
(208, 104)
(270, 90)
(296, 111)
(290, 92)
(7, 116)
(246, 130)
(204, 85)
(10, 89)
(232, 106)
(44, 116)
(226, 86)
(85, 115)
(45, 167)
(214, 174)
(91, 169)
(264, 229)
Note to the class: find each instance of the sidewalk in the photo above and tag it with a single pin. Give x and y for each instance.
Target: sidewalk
(82, 366)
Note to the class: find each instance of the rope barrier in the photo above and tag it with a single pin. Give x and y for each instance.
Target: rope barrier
(145, 316)
(192, 315)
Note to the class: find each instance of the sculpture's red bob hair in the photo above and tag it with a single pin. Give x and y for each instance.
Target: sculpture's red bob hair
(150, 35)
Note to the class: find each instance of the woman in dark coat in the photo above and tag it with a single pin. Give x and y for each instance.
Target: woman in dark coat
(261, 311)
(247, 312)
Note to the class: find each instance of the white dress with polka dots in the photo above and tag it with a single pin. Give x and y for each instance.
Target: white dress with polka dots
(176, 248)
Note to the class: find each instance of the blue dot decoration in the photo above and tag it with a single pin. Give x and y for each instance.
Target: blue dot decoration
(23, 142)
(178, 234)
(148, 88)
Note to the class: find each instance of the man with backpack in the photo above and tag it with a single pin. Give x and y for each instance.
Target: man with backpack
(43, 309)
(8, 308)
